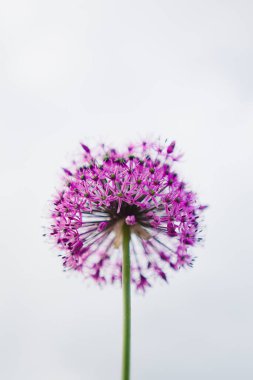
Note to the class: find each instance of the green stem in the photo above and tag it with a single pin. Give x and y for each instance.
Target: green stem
(126, 288)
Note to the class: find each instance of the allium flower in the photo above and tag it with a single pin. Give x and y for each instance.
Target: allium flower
(138, 188)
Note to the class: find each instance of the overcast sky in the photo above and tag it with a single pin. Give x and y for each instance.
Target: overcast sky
(91, 71)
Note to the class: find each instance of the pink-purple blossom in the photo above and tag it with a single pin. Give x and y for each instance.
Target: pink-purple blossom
(138, 186)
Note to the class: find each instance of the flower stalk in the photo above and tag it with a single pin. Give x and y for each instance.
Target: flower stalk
(126, 289)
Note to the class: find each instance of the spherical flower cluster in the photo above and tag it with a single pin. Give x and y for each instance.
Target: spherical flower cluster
(137, 187)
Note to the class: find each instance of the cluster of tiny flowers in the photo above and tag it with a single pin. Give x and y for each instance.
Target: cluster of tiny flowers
(138, 187)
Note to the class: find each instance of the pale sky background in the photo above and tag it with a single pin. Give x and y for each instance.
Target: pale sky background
(94, 70)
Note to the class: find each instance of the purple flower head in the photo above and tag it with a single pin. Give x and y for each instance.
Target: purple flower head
(137, 187)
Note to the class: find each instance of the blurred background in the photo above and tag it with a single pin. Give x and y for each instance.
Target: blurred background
(115, 71)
